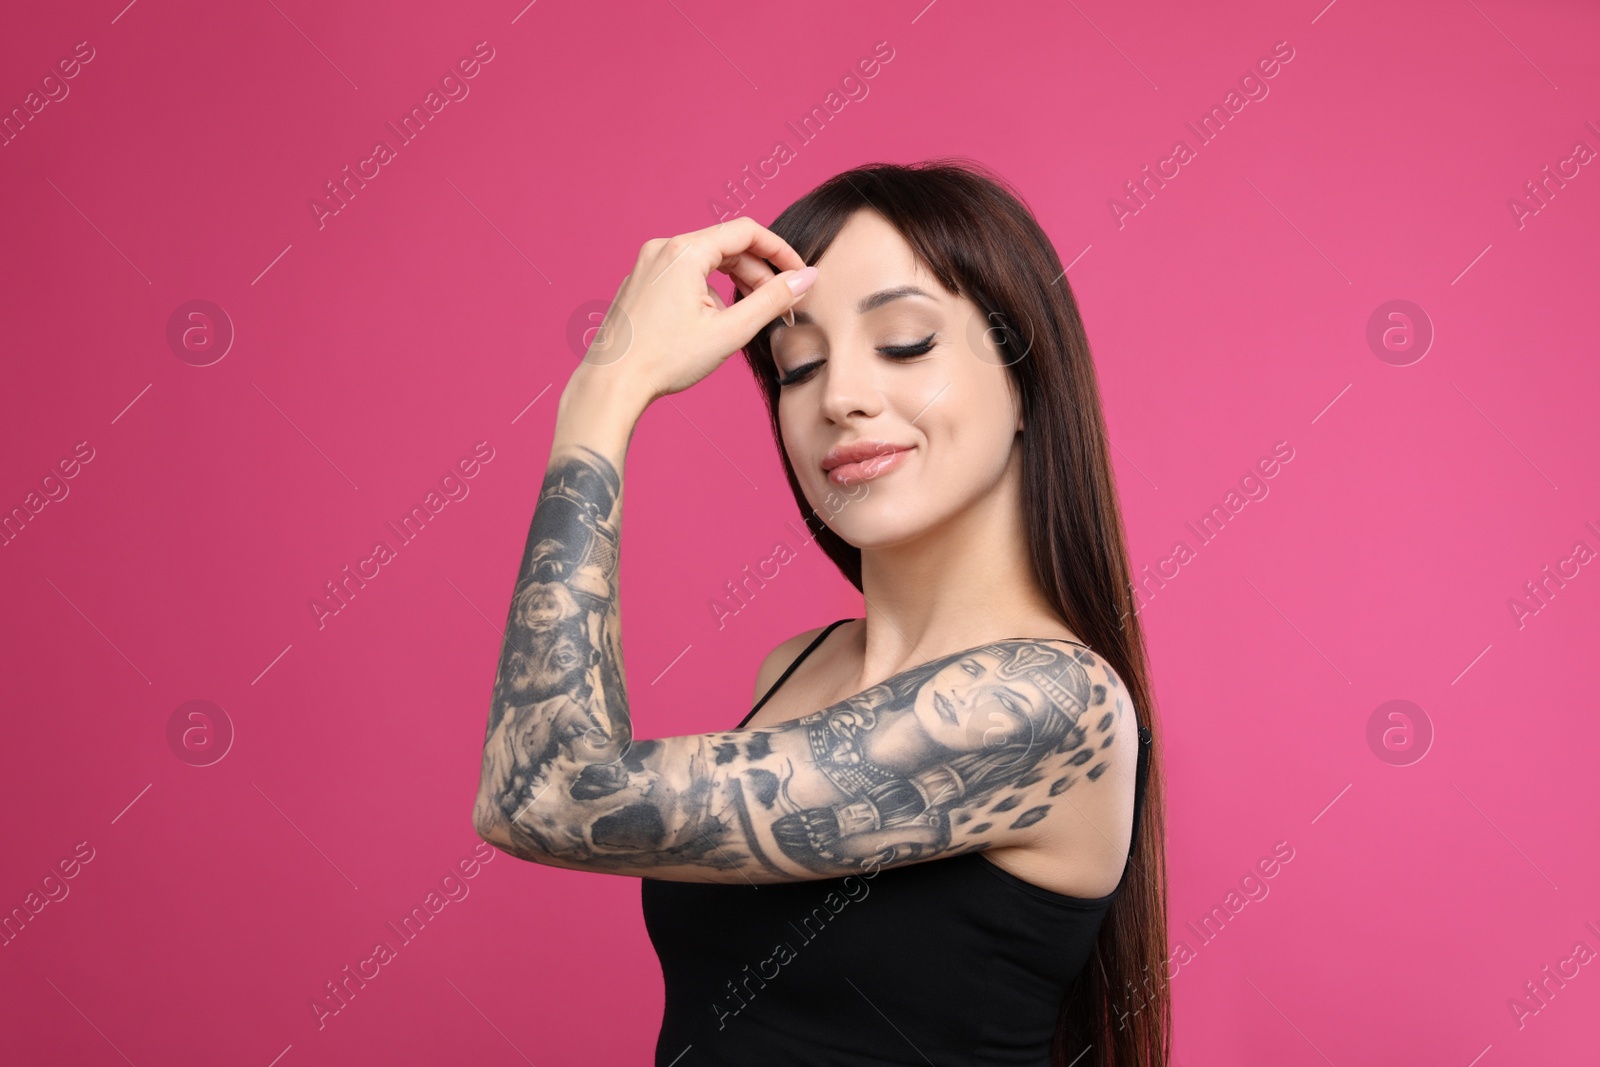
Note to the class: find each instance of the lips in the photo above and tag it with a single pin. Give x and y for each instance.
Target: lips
(862, 460)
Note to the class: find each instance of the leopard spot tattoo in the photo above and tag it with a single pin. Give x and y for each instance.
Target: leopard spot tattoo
(1031, 816)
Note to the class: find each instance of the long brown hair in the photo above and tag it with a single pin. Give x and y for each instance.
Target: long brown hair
(978, 237)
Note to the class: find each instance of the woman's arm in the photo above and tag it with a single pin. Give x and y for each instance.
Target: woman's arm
(971, 751)
(560, 702)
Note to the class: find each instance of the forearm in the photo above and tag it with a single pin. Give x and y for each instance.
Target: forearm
(560, 699)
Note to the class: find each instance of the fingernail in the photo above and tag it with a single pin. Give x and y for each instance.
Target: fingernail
(788, 316)
(801, 280)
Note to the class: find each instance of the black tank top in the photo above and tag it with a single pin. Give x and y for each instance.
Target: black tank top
(951, 961)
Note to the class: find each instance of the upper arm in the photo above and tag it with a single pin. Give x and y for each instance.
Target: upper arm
(974, 750)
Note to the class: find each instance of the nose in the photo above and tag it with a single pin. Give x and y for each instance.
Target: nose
(850, 387)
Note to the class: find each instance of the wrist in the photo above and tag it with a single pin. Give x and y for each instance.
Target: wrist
(607, 389)
(599, 409)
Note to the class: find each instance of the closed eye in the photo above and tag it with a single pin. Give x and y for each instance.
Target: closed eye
(918, 348)
(911, 351)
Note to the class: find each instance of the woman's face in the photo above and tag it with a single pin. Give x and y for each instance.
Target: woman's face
(911, 376)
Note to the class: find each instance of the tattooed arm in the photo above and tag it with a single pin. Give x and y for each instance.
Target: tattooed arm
(970, 751)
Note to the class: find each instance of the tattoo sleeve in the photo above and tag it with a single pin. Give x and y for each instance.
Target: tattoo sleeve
(965, 752)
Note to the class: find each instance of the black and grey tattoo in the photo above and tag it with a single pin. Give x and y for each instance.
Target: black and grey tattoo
(965, 752)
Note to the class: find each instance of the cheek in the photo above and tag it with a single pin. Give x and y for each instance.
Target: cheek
(969, 446)
(971, 408)
(795, 444)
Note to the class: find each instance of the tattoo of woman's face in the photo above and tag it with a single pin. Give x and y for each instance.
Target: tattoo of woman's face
(989, 699)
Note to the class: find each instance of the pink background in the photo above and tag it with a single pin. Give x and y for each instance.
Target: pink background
(375, 351)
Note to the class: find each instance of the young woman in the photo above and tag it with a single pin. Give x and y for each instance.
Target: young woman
(937, 838)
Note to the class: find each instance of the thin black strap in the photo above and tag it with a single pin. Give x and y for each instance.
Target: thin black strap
(784, 677)
(1138, 787)
(1145, 738)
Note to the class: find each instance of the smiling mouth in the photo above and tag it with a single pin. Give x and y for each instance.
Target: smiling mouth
(866, 469)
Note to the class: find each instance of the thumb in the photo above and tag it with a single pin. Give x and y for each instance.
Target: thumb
(770, 299)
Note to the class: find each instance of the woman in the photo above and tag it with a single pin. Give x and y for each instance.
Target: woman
(958, 859)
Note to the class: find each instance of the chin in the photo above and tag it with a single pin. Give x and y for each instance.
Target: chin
(866, 533)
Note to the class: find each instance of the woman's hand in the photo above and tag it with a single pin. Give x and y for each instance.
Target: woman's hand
(668, 328)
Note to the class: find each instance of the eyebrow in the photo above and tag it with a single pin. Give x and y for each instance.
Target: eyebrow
(867, 303)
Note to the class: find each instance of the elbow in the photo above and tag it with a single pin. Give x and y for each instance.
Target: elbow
(482, 820)
(492, 825)
(500, 843)
(500, 837)
(484, 829)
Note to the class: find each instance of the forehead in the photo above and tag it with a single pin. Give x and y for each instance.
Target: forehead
(987, 660)
(868, 254)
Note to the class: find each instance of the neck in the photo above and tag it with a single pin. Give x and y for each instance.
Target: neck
(966, 581)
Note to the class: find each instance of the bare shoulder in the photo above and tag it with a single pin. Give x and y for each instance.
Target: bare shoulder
(778, 660)
(1108, 740)
(1081, 853)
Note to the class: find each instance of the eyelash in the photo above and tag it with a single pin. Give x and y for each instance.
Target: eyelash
(920, 348)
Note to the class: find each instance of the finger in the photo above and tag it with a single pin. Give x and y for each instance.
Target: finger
(770, 300)
(748, 271)
(742, 234)
(716, 298)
